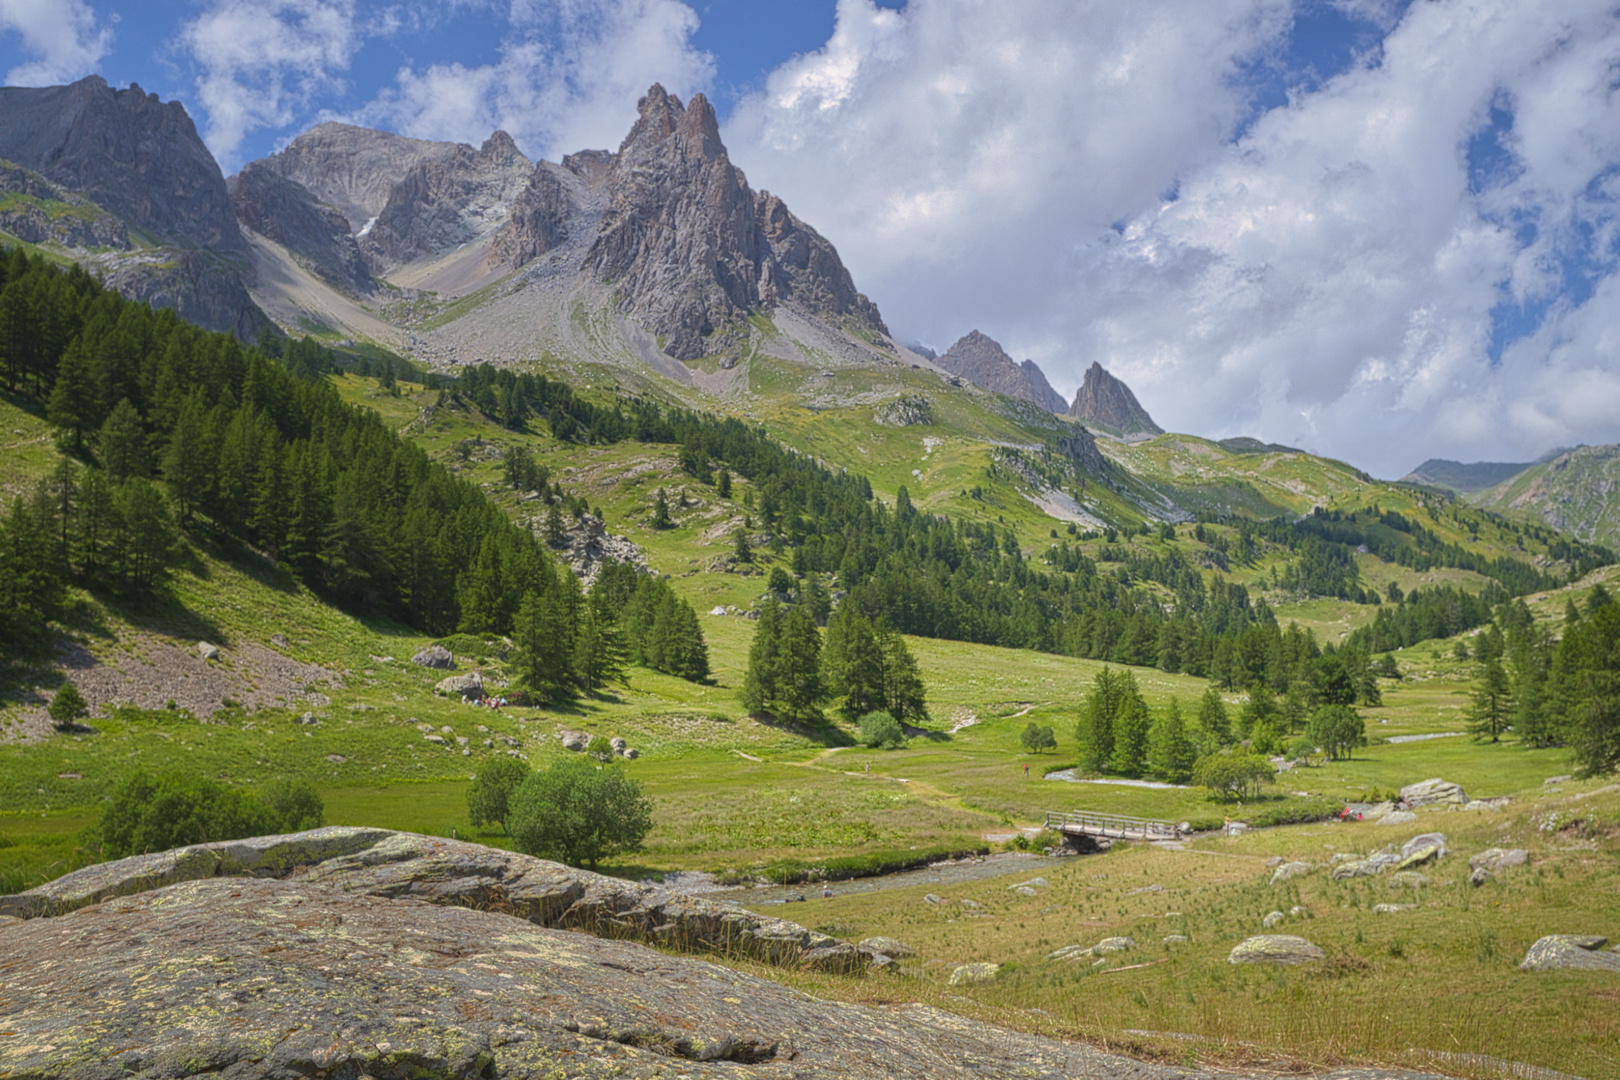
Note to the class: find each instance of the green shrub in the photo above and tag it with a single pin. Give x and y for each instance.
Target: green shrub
(489, 797)
(579, 812)
(880, 730)
(599, 749)
(156, 814)
(1230, 775)
(1037, 738)
(67, 707)
(293, 804)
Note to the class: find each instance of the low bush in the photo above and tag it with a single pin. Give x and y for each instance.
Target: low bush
(880, 730)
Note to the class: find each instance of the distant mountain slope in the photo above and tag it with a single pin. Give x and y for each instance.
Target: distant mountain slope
(982, 361)
(1108, 403)
(1577, 492)
(1466, 478)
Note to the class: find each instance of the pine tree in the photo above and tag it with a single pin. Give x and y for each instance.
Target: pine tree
(556, 535)
(599, 650)
(800, 690)
(1212, 718)
(72, 405)
(122, 443)
(904, 695)
(1492, 702)
(147, 538)
(544, 637)
(1170, 753)
(661, 518)
(741, 550)
(1132, 724)
(187, 461)
(722, 484)
(852, 661)
(760, 681)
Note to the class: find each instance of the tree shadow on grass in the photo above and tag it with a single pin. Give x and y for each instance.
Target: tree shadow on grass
(824, 732)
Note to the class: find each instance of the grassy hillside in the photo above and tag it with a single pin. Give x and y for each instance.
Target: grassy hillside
(1575, 493)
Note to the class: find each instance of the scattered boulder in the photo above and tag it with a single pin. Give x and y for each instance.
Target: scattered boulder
(930, 898)
(1366, 866)
(888, 946)
(1433, 792)
(576, 741)
(618, 744)
(435, 739)
(1426, 854)
(1033, 883)
(1559, 952)
(1288, 871)
(1274, 861)
(1024, 890)
(468, 685)
(280, 641)
(1389, 909)
(1271, 919)
(1235, 828)
(1275, 949)
(1427, 840)
(973, 974)
(1102, 948)
(1408, 879)
(207, 651)
(1397, 817)
(1378, 810)
(631, 753)
(435, 656)
(1494, 859)
(1479, 876)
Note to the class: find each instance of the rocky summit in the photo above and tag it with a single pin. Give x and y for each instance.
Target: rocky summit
(983, 362)
(1108, 403)
(690, 248)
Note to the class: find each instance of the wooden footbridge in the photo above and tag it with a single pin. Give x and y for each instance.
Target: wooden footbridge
(1093, 827)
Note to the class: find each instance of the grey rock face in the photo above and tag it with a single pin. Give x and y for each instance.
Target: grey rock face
(1427, 840)
(981, 361)
(538, 220)
(127, 152)
(1558, 952)
(689, 248)
(448, 200)
(285, 211)
(201, 287)
(352, 168)
(1108, 402)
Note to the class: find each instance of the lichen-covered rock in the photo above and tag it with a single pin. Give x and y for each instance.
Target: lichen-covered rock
(1397, 817)
(1432, 792)
(468, 685)
(1272, 919)
(1389, 909)
(243, 978)
(435, 656)
(1558, 952)
(1367, 866)
(1408, 879)
(1288, 871)
(888, 946)
(973, 974)
(1275, 949)
(1103, 948)
(1426, 840)
(1419, 856)
(1496, 859)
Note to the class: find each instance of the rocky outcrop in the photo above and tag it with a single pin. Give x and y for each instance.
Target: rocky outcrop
(41, 212)
(1081, 448)
(448, 200)
(1560, 952)
(1275, 949)
(1107, 402)
(538, 220)
(199, 286)
(352, 168)
(240, 977)
(981, 361)
(1433, 792)
(129, 153)
(689, 249)
(435, 656)
(317, 234)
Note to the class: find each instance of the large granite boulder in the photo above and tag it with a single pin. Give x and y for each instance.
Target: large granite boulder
(1433, 792)
(1275, 949)
(1493, 860)
(468, 685)
(1559, 952)
(1290, 870)
(435, 656)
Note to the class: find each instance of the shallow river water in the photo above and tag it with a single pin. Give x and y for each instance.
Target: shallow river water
(940, 874)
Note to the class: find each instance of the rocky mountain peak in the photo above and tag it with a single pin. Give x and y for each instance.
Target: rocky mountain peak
(353, 168)
(1107, 402)
(126, 151)
(690, 248)
(284, 211)
(982, 361)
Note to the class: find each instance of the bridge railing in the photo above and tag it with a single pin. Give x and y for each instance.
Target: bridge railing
(1086, 821)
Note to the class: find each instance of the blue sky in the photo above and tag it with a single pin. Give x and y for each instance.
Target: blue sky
(1379, 229)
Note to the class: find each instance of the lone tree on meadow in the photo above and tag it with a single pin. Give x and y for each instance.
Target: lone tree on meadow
(579, 812)
(68, 707)
(1337, 729)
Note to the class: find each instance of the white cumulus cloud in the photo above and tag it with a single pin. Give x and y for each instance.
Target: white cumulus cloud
(567, 79)
(261, 60)
(63, 34)
(1067, 178)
